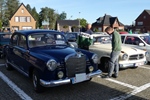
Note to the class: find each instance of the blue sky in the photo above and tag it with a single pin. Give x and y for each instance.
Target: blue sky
(126, 10)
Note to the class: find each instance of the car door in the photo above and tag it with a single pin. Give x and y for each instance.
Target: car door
(11, 56)
(21, 52)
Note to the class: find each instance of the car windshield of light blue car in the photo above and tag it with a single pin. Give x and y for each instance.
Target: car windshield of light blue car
(146, 39)
(102, 39)
(44, 39)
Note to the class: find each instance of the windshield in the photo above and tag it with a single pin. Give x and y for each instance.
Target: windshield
(102, 39)
(43, 39)
(146, 39)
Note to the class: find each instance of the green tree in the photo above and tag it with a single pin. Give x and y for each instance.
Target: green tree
(2, 8)
(0, 24)
(10, 8)
(47, 15)
(36, 16)
(62, 16)
(83, 22)
(29, 8)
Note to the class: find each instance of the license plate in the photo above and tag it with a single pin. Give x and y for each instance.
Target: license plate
(139, 64)
(79, 78)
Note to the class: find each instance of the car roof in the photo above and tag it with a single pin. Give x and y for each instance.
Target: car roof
(5, 33)
(134, 35)
(28, 32)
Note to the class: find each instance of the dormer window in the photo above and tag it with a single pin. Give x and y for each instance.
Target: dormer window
(22, 10)
(98, 21)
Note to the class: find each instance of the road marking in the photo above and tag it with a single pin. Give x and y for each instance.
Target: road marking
(144, 67)
(2, 64)
(134, 92)
(14, 87)
(121, 83)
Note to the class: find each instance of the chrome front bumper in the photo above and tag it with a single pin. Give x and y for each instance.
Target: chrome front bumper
(132, 64)
(67, 81)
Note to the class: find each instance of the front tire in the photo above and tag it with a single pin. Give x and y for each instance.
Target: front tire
(105, 64)
(36, 82)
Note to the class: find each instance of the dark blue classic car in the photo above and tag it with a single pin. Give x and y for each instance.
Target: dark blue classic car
(48, 59)
(4, 40)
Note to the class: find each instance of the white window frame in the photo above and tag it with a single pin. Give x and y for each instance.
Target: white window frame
(139, 23)
(16, 19)
(23, 19)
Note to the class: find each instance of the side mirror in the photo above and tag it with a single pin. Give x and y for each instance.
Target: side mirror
(141, 44)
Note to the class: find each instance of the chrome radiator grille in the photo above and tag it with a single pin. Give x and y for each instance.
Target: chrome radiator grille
(136, 57)
(75, 65)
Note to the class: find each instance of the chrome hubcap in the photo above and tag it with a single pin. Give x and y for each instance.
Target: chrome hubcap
(34, 80)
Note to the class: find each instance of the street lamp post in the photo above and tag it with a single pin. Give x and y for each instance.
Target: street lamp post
(79, 21)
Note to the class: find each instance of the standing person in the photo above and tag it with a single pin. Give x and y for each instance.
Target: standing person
(85, 39)
(88, 29)
(116, 49)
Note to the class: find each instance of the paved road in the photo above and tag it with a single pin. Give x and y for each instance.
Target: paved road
(132, 84)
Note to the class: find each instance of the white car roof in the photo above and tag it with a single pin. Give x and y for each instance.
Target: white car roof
(134, 35)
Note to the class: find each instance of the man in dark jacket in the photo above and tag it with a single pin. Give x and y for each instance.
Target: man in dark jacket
(116, 49)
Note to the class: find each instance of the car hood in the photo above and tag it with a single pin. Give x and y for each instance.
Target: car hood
(57, 52)
(125, 49)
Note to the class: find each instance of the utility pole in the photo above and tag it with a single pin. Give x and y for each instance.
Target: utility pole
(79, 21)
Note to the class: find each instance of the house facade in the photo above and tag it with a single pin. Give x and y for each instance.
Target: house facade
(105, 21)
(22, 19)
(142, 22)
(67, 25)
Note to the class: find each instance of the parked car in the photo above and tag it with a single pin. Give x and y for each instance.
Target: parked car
(4, 40)
(47, 57)
(140, 41)
(129, 57)
(95, 34)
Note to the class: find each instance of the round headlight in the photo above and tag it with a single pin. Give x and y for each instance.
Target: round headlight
(95, 58)
(125, 56)
(146, 54)
(91, 68)
(52, 64)
(60, 74)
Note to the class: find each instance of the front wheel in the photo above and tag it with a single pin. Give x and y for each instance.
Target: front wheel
(36, 82)
(105, 64)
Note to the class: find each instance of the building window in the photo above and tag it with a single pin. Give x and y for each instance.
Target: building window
(139, 23)
(98, 21)
(22, 10)
(16, 19)
(144, 17)
(22, 19)
(28, 19)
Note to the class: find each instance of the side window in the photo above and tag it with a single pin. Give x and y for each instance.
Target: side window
(129, 40)
(122, 38)
(136, 41)
(22, 42)
(14, 40)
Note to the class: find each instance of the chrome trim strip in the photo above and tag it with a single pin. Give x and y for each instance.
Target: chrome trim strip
(66, 81)
(130, 65)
